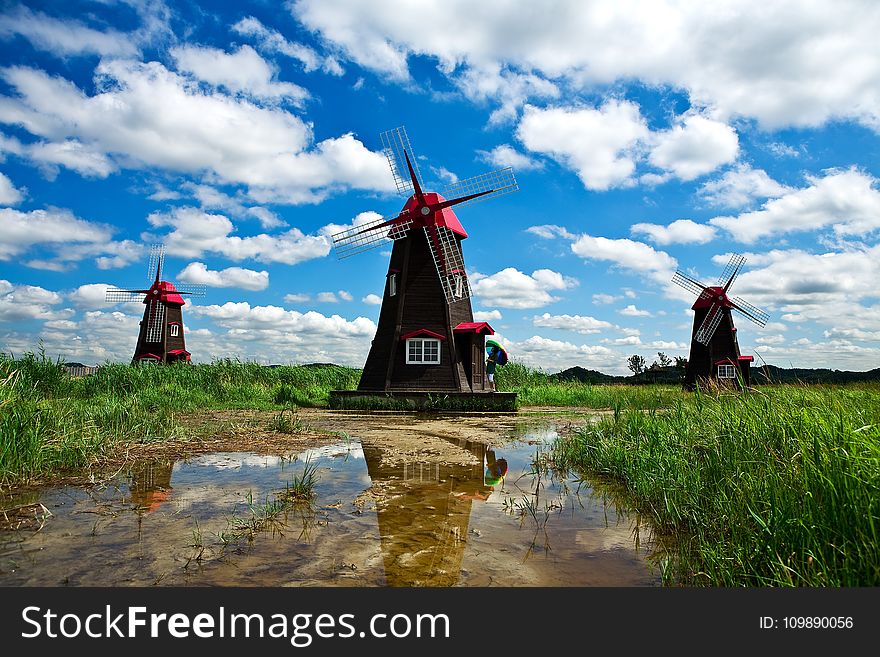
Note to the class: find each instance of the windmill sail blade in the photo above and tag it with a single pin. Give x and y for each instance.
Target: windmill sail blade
(395, 143)
(710, 324)
(688, 283)
(118, 295)
(449, 263)
(157, 261)
(753, 313)
(498, 183)
(155, 321)
(731, 271)
(192, 289)
(370, 235)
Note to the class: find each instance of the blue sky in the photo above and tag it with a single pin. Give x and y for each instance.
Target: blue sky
(645, 137)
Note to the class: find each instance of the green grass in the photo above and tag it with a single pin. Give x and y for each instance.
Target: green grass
(779, 487)
(534, 388)
(51, 422)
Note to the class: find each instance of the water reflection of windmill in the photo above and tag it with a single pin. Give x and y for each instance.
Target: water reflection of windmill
(715, 354)
(425, 511)
(160, 339)
(150, 484)
(426, 337)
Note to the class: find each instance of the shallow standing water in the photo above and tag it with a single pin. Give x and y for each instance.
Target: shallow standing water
(399, 501)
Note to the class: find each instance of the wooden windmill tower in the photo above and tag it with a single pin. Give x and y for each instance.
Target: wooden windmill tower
(426, 339)
(715, 354)
(160, 339)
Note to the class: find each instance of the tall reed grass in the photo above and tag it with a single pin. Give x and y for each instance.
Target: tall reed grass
(51, 422)
(773, 488)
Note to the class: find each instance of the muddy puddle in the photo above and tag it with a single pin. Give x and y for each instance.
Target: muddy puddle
(398, 501)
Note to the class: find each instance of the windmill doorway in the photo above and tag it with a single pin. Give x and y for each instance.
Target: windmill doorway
(470, 345)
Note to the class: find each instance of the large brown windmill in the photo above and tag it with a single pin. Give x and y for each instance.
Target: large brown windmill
(160, 339)
(715, 354)
(426, 339)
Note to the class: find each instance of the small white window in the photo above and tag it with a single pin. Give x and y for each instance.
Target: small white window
(726, 372)
(423, 351)
(392, 285)
(175, 330)
(459, 286)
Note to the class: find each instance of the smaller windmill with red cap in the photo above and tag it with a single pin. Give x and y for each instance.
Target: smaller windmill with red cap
(427, 339)
(715, 354)
(160, 339)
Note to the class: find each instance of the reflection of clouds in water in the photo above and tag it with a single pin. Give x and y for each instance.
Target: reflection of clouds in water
(530, 434)
(339, 450)
(238, 460)
(233, 461)
(202, 496)
(610, 538)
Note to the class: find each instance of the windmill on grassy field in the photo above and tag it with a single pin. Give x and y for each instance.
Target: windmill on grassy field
(715, 354)
(426, 338)
(160, 339)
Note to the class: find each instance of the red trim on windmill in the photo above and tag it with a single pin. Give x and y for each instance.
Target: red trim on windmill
(423, 333)
(474, 327)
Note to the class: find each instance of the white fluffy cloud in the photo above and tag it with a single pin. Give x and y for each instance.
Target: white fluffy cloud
(245, 279)
(511, 288)
(597, 144)
(602, 299)
(243, 71)
(740, 186)
(333, 297)
(55, 227)
(783, 63)
(629, 254)
(847, 201)
(605, 145)
(554, 355)
(372, 300)
(144, 115)
(632, 311)
(89, 296)
(681, 231)
(9, 194)
(278, 335)
(625, 253)
(29, 302)
(583, 324)
(508, 89)
(487, 315)
(273, 41)
(795, 281)
(65, 37)
(196, 232)
(49, 156)
(507, 156)
(211, 198)
(694, 146)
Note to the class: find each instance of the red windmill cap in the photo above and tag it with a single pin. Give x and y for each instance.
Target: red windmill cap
(445, 217)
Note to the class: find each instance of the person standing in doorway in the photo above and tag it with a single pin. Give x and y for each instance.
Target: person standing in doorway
(491, 363)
